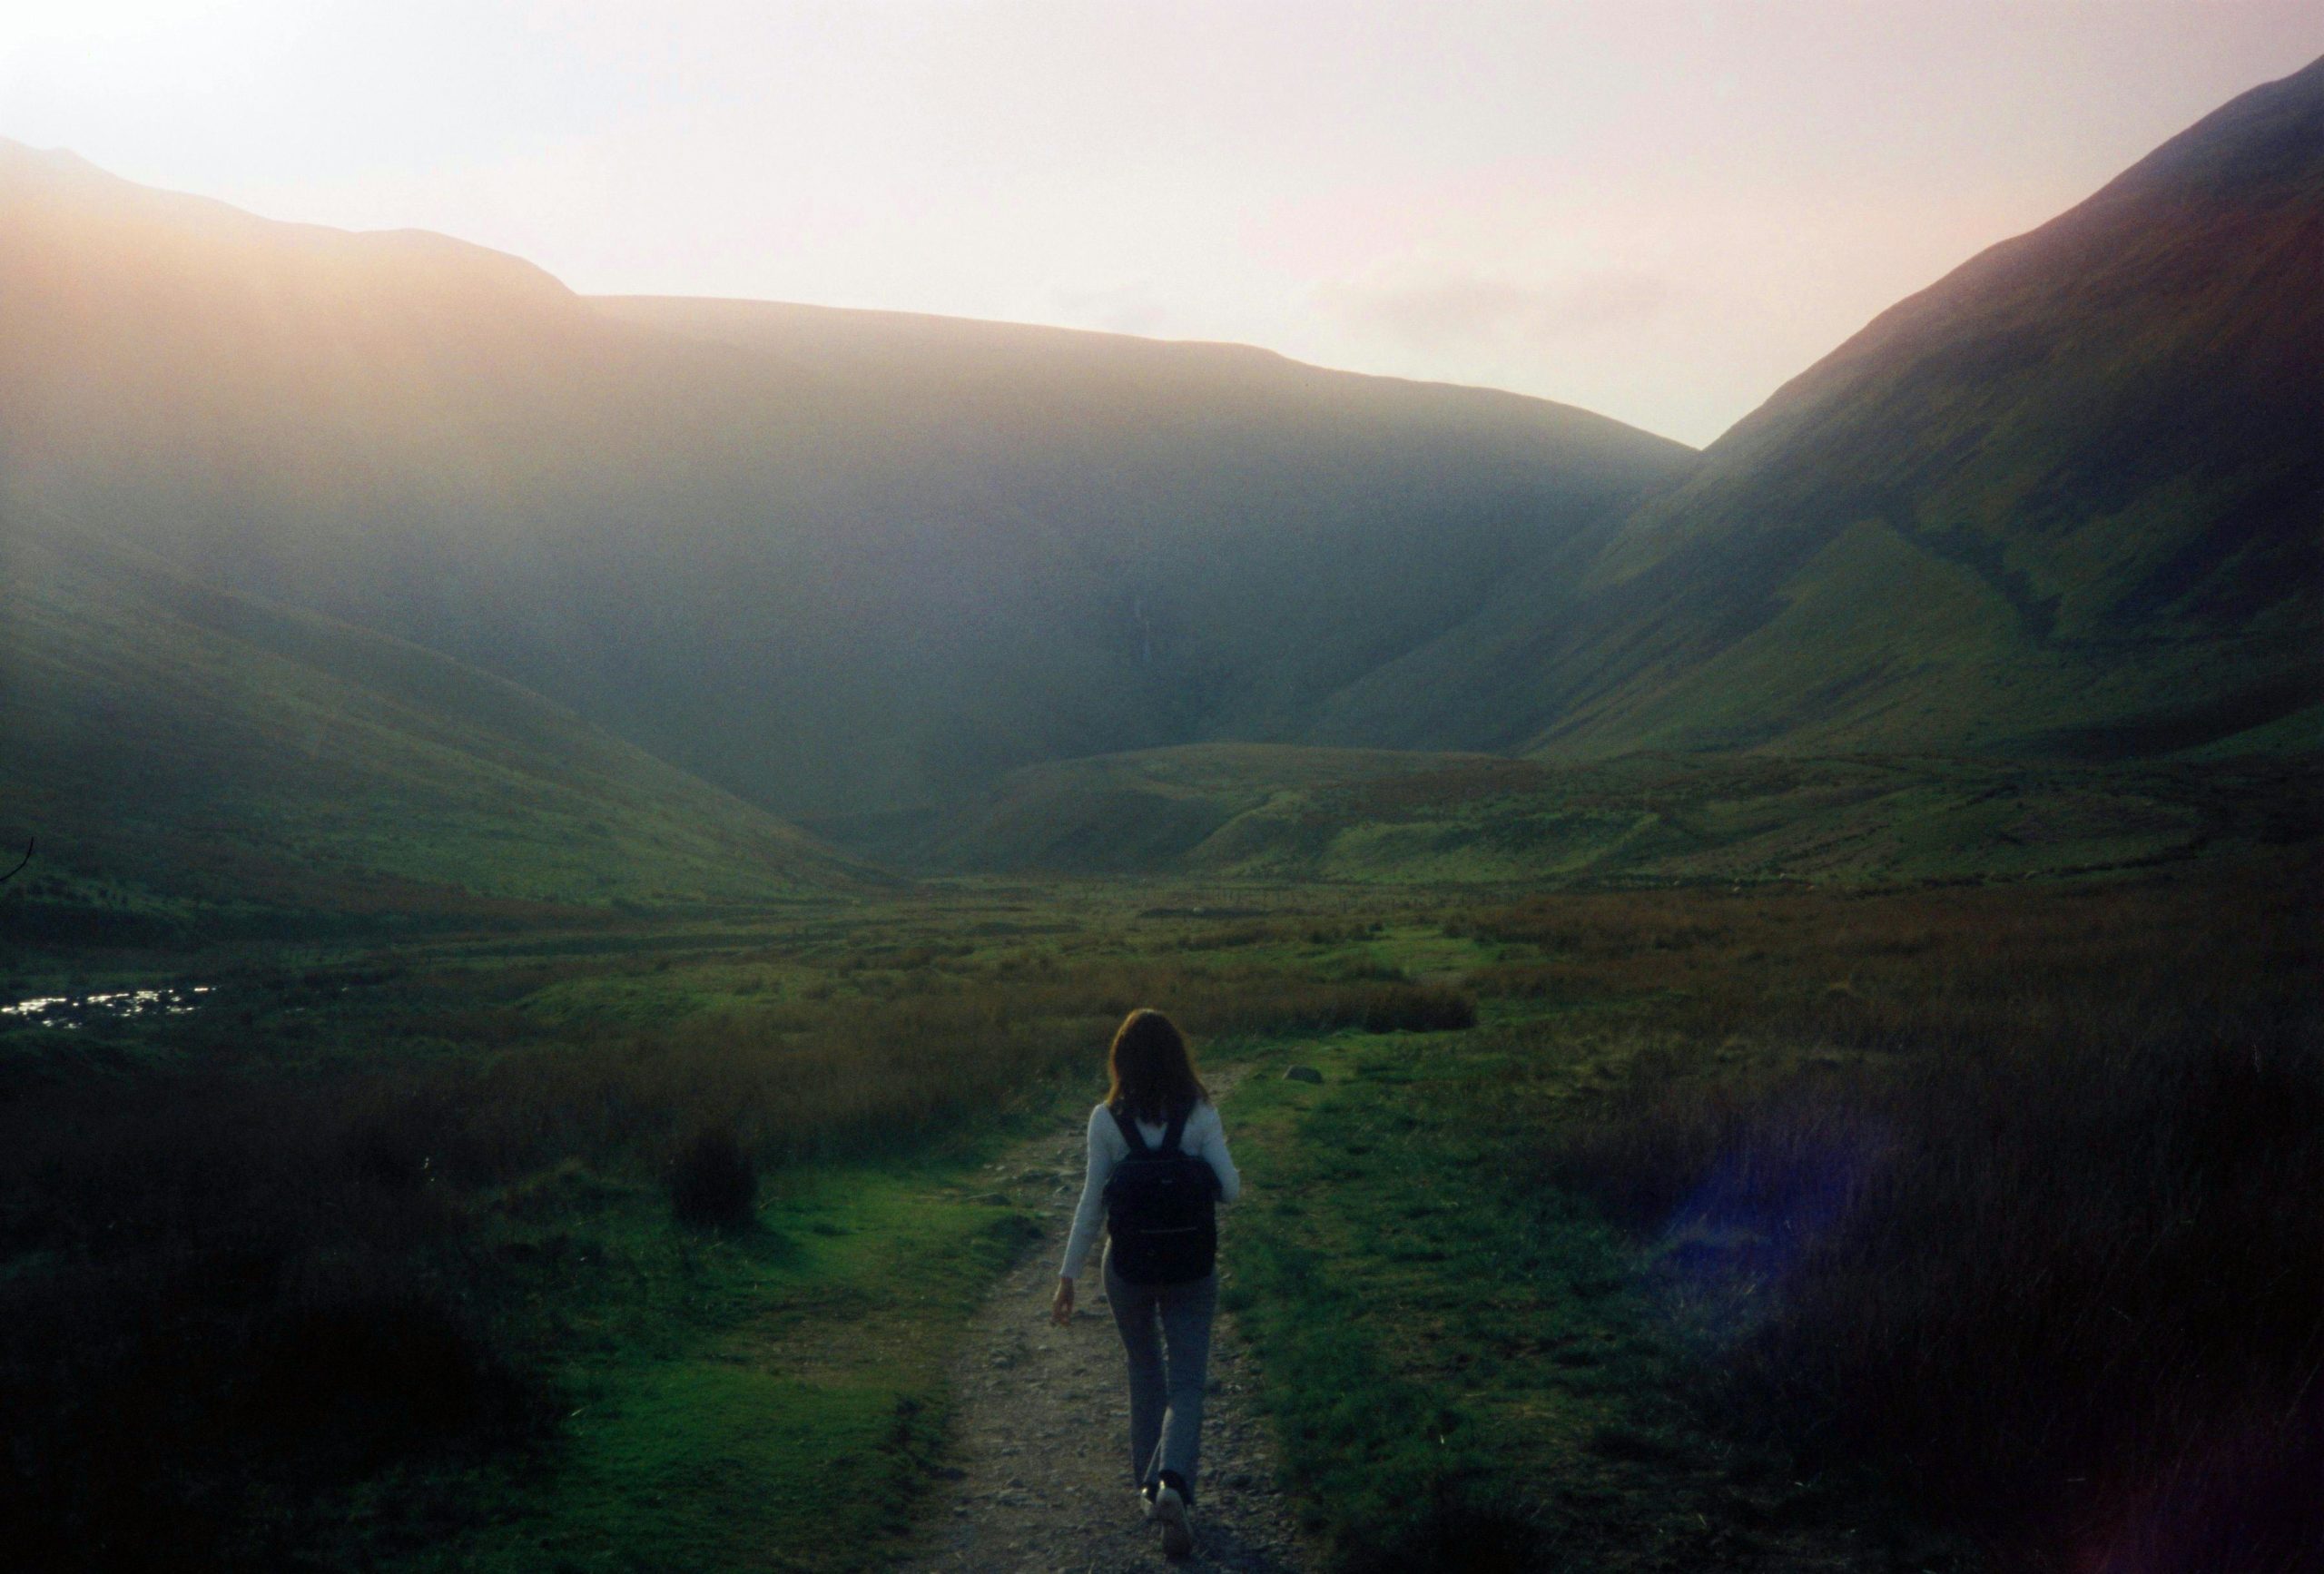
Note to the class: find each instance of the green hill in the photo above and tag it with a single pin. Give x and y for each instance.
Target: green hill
(1214, 807)
(180, 750)
(1272, 813)
(829, 560)
(2069, 500)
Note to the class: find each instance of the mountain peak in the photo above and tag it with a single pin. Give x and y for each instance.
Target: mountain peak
(21, 160)
(2264, 141)
(68, 214)
(2066, 499)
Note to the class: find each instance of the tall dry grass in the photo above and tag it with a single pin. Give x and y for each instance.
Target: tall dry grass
(229, 1295)
(2019, 1195)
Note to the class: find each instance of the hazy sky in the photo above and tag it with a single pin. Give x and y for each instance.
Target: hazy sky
(1658, 210)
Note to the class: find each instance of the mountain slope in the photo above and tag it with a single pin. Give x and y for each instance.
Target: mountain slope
(829, 560)
(2068, 499)
(179, 748)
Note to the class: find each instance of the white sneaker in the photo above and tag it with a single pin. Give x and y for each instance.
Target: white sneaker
(1177, 1532)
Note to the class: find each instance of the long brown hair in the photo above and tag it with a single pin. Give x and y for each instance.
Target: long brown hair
(1153, 1069)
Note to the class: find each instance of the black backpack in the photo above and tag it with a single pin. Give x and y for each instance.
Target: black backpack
(1158, 1208)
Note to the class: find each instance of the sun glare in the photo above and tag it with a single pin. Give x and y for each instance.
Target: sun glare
(126, 54)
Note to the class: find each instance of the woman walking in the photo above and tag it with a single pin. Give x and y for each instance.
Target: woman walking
(1157, 1161)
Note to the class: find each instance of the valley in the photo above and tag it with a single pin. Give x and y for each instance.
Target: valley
(588, 847)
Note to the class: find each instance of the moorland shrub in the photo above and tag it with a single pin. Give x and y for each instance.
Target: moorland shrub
(256, 1287)
(243, 1306)
(713, 1183)
(1299, 1005)
(2028, 1222)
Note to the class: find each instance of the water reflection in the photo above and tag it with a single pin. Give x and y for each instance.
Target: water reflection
(74, 1010)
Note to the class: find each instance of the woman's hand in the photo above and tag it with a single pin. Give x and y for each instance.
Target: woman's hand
(1061, 1307)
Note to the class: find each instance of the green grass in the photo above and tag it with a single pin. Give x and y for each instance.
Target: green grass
(1270, 815)
(1592, 1284)
(448, 1156)
(1465, 1374)
(772, 1400)
(431, 1178)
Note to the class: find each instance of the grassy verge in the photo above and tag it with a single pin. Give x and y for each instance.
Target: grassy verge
(766, 1398)
(1469, 1374)
(380, 1259)
(1812, 1230)
(2018, 1229)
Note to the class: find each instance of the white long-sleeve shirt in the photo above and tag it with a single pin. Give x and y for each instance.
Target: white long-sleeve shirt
(1205, 1138)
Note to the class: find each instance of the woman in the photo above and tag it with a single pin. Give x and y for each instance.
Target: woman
(1158, 1264)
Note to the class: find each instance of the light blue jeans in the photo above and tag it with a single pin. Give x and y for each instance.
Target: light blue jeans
(1167, 1374)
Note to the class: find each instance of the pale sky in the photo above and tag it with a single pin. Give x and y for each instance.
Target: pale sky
(1659, 211)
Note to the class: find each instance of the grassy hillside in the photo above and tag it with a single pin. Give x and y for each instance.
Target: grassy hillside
(828, 560)
(1271, 814)
(1139, 812)
(180, 750)
(2065, 501)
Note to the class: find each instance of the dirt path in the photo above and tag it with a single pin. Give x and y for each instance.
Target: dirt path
(1040, 1438)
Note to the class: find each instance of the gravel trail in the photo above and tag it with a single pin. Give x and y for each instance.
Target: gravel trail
(1040, 1473)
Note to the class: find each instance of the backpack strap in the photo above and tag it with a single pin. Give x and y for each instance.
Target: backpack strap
(1130, 1134)
(1129, 1129)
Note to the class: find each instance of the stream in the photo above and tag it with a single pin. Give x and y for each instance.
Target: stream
(78, 1010)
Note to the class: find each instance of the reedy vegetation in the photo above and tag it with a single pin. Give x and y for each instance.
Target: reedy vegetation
(2001, 1191)
(1996, 1189)
(237, 1287)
